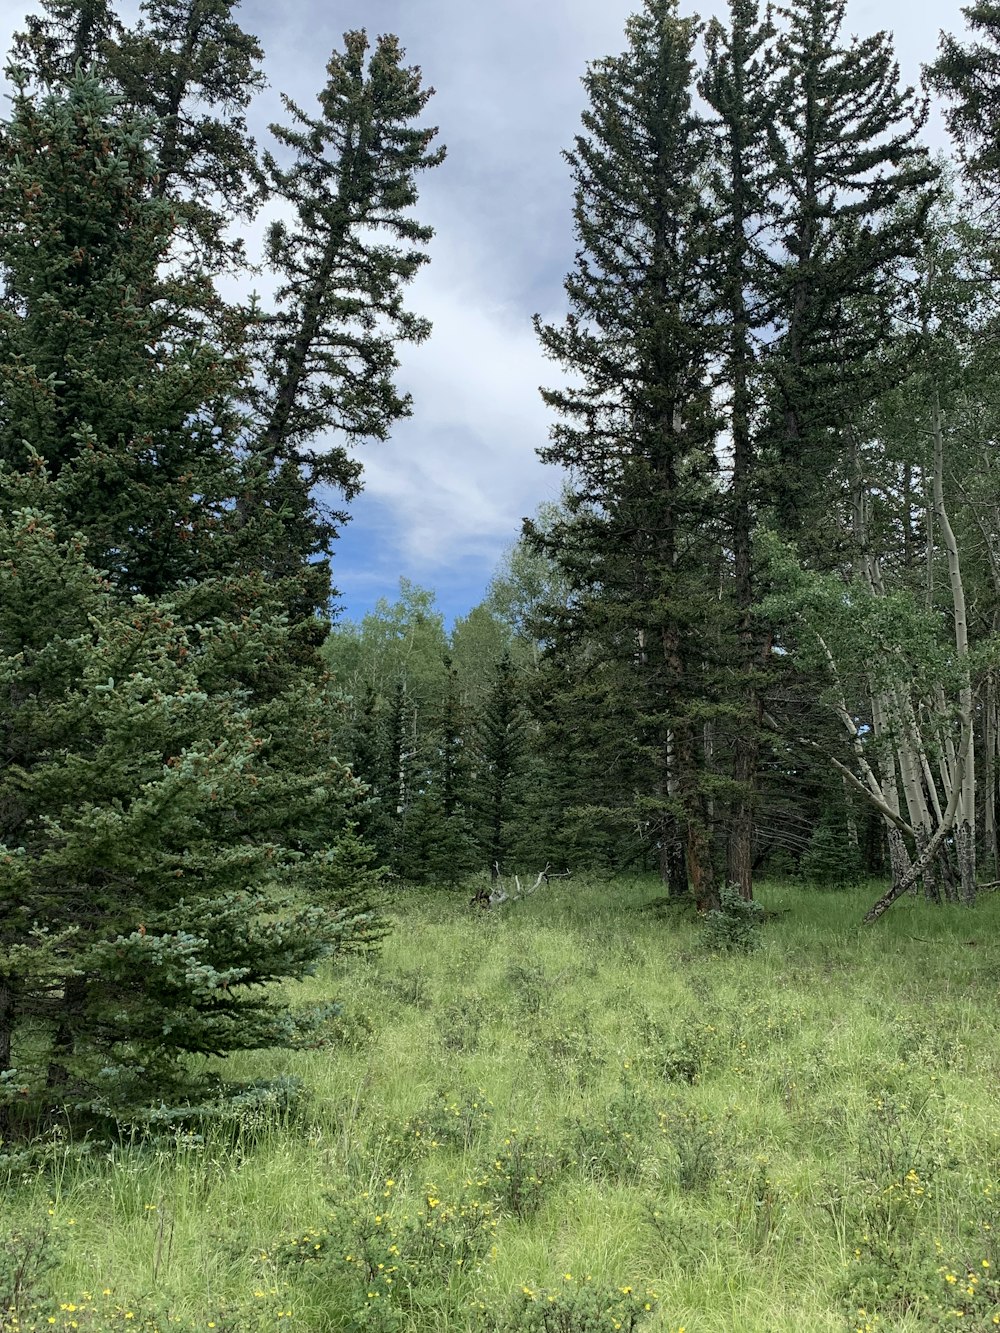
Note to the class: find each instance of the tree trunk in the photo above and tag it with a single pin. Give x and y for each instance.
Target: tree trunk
(943, 829)
(990, 793)
(965, 776)
(739, 852)
(699, 841)
(672, 858)
(71, 1008)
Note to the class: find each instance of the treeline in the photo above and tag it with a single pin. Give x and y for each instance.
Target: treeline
(767, 635)
(456, 736)
(480, 760)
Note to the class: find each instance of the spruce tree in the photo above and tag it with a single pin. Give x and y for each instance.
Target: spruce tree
(187, 66)
(439, 842)
(737, 84)
(327, 352)
(93, 367)
(65, 35)
(322, 361)
(968, 75)
(501, 755)
(145, 908)
(853, 183)
(170, 772)
(636, 428)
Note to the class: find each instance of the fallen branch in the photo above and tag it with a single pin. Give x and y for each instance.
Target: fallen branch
(499, 893)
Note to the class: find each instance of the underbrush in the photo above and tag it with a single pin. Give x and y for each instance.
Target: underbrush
(572, 1115)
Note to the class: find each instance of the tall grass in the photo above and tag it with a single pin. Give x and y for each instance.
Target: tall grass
(582, 1112)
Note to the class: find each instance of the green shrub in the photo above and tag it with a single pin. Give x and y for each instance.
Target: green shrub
(520, 1173)
(733, 927)
(445, 1122)
(577, 1306)
(383, 1262)
(694, 1138)
(613, 1146)
(28, 1256)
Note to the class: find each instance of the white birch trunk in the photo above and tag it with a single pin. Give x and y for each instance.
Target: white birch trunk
(965, 776)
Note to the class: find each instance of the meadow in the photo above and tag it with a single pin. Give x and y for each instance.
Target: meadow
(570, 1115)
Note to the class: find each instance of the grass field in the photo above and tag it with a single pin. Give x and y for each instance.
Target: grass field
(570, 1116)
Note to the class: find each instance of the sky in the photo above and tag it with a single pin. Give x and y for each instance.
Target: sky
(444, 498)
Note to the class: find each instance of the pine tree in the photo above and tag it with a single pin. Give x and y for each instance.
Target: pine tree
(737, 85)
(189, 65)
(144, 914)
(93, 367)
(439, 841)
(637, 428)
(501, 754)
(67, 34)
(190, 69)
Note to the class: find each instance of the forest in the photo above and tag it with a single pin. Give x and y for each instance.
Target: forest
(352, 970)
(757, 634)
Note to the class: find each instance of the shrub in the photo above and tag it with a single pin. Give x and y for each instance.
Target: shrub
(613, 1146)
(520, 1174)
(733, 927)
(28, 1256)
(383, 1262)
(577, 1306)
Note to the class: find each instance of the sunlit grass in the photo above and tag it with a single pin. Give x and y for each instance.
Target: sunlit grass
(771, 1141)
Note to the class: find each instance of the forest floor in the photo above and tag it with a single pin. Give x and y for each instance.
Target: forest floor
(568, 1116)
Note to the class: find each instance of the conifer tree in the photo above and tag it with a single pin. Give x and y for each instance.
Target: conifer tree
(501, 747)
(93, 367)
(737, 84)
(636, 429)
(189, 65)
(160, 867)
(854, 184)
(327, 354)
(192, 71)
(439, 828)
(168, 733)
(65, 35)
(969, 76)
(323, 359)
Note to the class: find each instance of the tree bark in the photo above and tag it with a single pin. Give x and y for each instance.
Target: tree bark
(965, 775)
(883, 904)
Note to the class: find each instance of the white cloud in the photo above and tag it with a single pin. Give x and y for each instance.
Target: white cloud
(459, 475)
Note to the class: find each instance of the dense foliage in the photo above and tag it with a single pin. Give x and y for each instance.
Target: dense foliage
(178, 830)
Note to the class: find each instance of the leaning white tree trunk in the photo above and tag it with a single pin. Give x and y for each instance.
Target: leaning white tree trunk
(965, 772)
(899, 763)
(992, 749)
(882, 792)
(934, 846)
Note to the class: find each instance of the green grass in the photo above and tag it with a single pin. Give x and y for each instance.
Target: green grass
(775, 1141)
